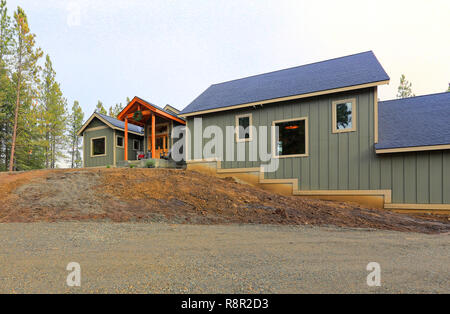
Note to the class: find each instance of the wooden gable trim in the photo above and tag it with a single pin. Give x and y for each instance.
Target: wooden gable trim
(124, 114)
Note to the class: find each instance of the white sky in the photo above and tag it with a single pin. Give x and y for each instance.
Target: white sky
(168, 52)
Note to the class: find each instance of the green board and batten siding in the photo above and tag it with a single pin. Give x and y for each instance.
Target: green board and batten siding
(99, 161)
(97, 129)
(342, 161)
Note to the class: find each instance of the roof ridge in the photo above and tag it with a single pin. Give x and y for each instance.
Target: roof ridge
(294, 67)
(407, 98)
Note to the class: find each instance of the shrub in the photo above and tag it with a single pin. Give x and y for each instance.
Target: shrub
(150, 164)
(132, 166)
(108, 166)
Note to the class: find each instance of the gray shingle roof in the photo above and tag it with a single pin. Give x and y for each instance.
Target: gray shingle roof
(121, 124)
(361, 68)
(415, 121)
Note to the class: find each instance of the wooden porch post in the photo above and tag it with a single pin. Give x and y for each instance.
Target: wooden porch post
(153, 135)
(126, 140)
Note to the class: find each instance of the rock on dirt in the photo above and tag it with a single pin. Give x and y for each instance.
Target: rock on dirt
(180, 196)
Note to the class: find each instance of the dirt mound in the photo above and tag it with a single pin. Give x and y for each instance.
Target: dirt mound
(179, 196)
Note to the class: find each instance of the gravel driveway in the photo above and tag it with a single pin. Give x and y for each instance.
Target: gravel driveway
(162, 258)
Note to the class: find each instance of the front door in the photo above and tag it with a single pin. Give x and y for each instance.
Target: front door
(161, 145)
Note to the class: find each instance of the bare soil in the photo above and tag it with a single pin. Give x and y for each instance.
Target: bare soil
(180, 196)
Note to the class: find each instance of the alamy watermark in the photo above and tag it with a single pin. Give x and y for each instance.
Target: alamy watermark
(374, 277)
(74, 277)
(216, 143)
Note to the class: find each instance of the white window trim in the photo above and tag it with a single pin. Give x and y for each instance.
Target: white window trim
(123, 141)
(250, 127)
(334, 118)
(306, 154)
(92, 146)
(135, 140)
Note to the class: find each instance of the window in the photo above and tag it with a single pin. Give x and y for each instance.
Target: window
(344, 116)
(98, 146)
(243, 128)
(119, 141)
(290, 138)
(136, 145)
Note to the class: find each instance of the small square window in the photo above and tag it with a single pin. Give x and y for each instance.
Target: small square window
(344, 116)
(119, 141)
(243, 128)
(291, 138)
(136, 145)
(98, 146)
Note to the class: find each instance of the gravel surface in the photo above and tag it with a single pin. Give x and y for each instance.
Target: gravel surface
(164, 258)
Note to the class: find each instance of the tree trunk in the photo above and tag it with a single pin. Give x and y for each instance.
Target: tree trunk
(16, 118)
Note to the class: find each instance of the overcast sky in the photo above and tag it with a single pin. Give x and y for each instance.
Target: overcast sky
(168, 52)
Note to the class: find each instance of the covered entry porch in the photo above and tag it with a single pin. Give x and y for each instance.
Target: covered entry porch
(157, 123)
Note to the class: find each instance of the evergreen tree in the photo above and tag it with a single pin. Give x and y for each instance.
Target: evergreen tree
(114, 111)
(100, 109)
(76, 122)
(24, 57)
(404, 89)
(5, 32)
(6, 88)
(53, 117)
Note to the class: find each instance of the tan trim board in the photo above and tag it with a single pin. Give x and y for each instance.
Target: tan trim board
(306, 154)
(194, 161)
(334, 115)
(84, 150)
(187, 142)
(96, 128)
(123, 141)
(418, 206)
(387, 194)
(412, 149)
(92, 147)
(250, 127)
(114, 148)
(268, 101)
(375, 115)
(172, 109)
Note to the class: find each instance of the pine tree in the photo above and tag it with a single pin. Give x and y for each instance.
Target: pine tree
(100, 109)
(114, 111)
(53, 109)
(404, 89)
(25, 58)
(6, 88)
(5, 32)
(76, 122)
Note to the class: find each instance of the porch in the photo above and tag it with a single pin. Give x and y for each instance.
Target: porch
(157, 123)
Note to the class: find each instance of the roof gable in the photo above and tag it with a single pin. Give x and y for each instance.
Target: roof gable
(415, 121)
(138, 102)
(112, 123)
(353, 70)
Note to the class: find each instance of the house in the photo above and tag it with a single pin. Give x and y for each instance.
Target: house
(142, 127)
(329, 134)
